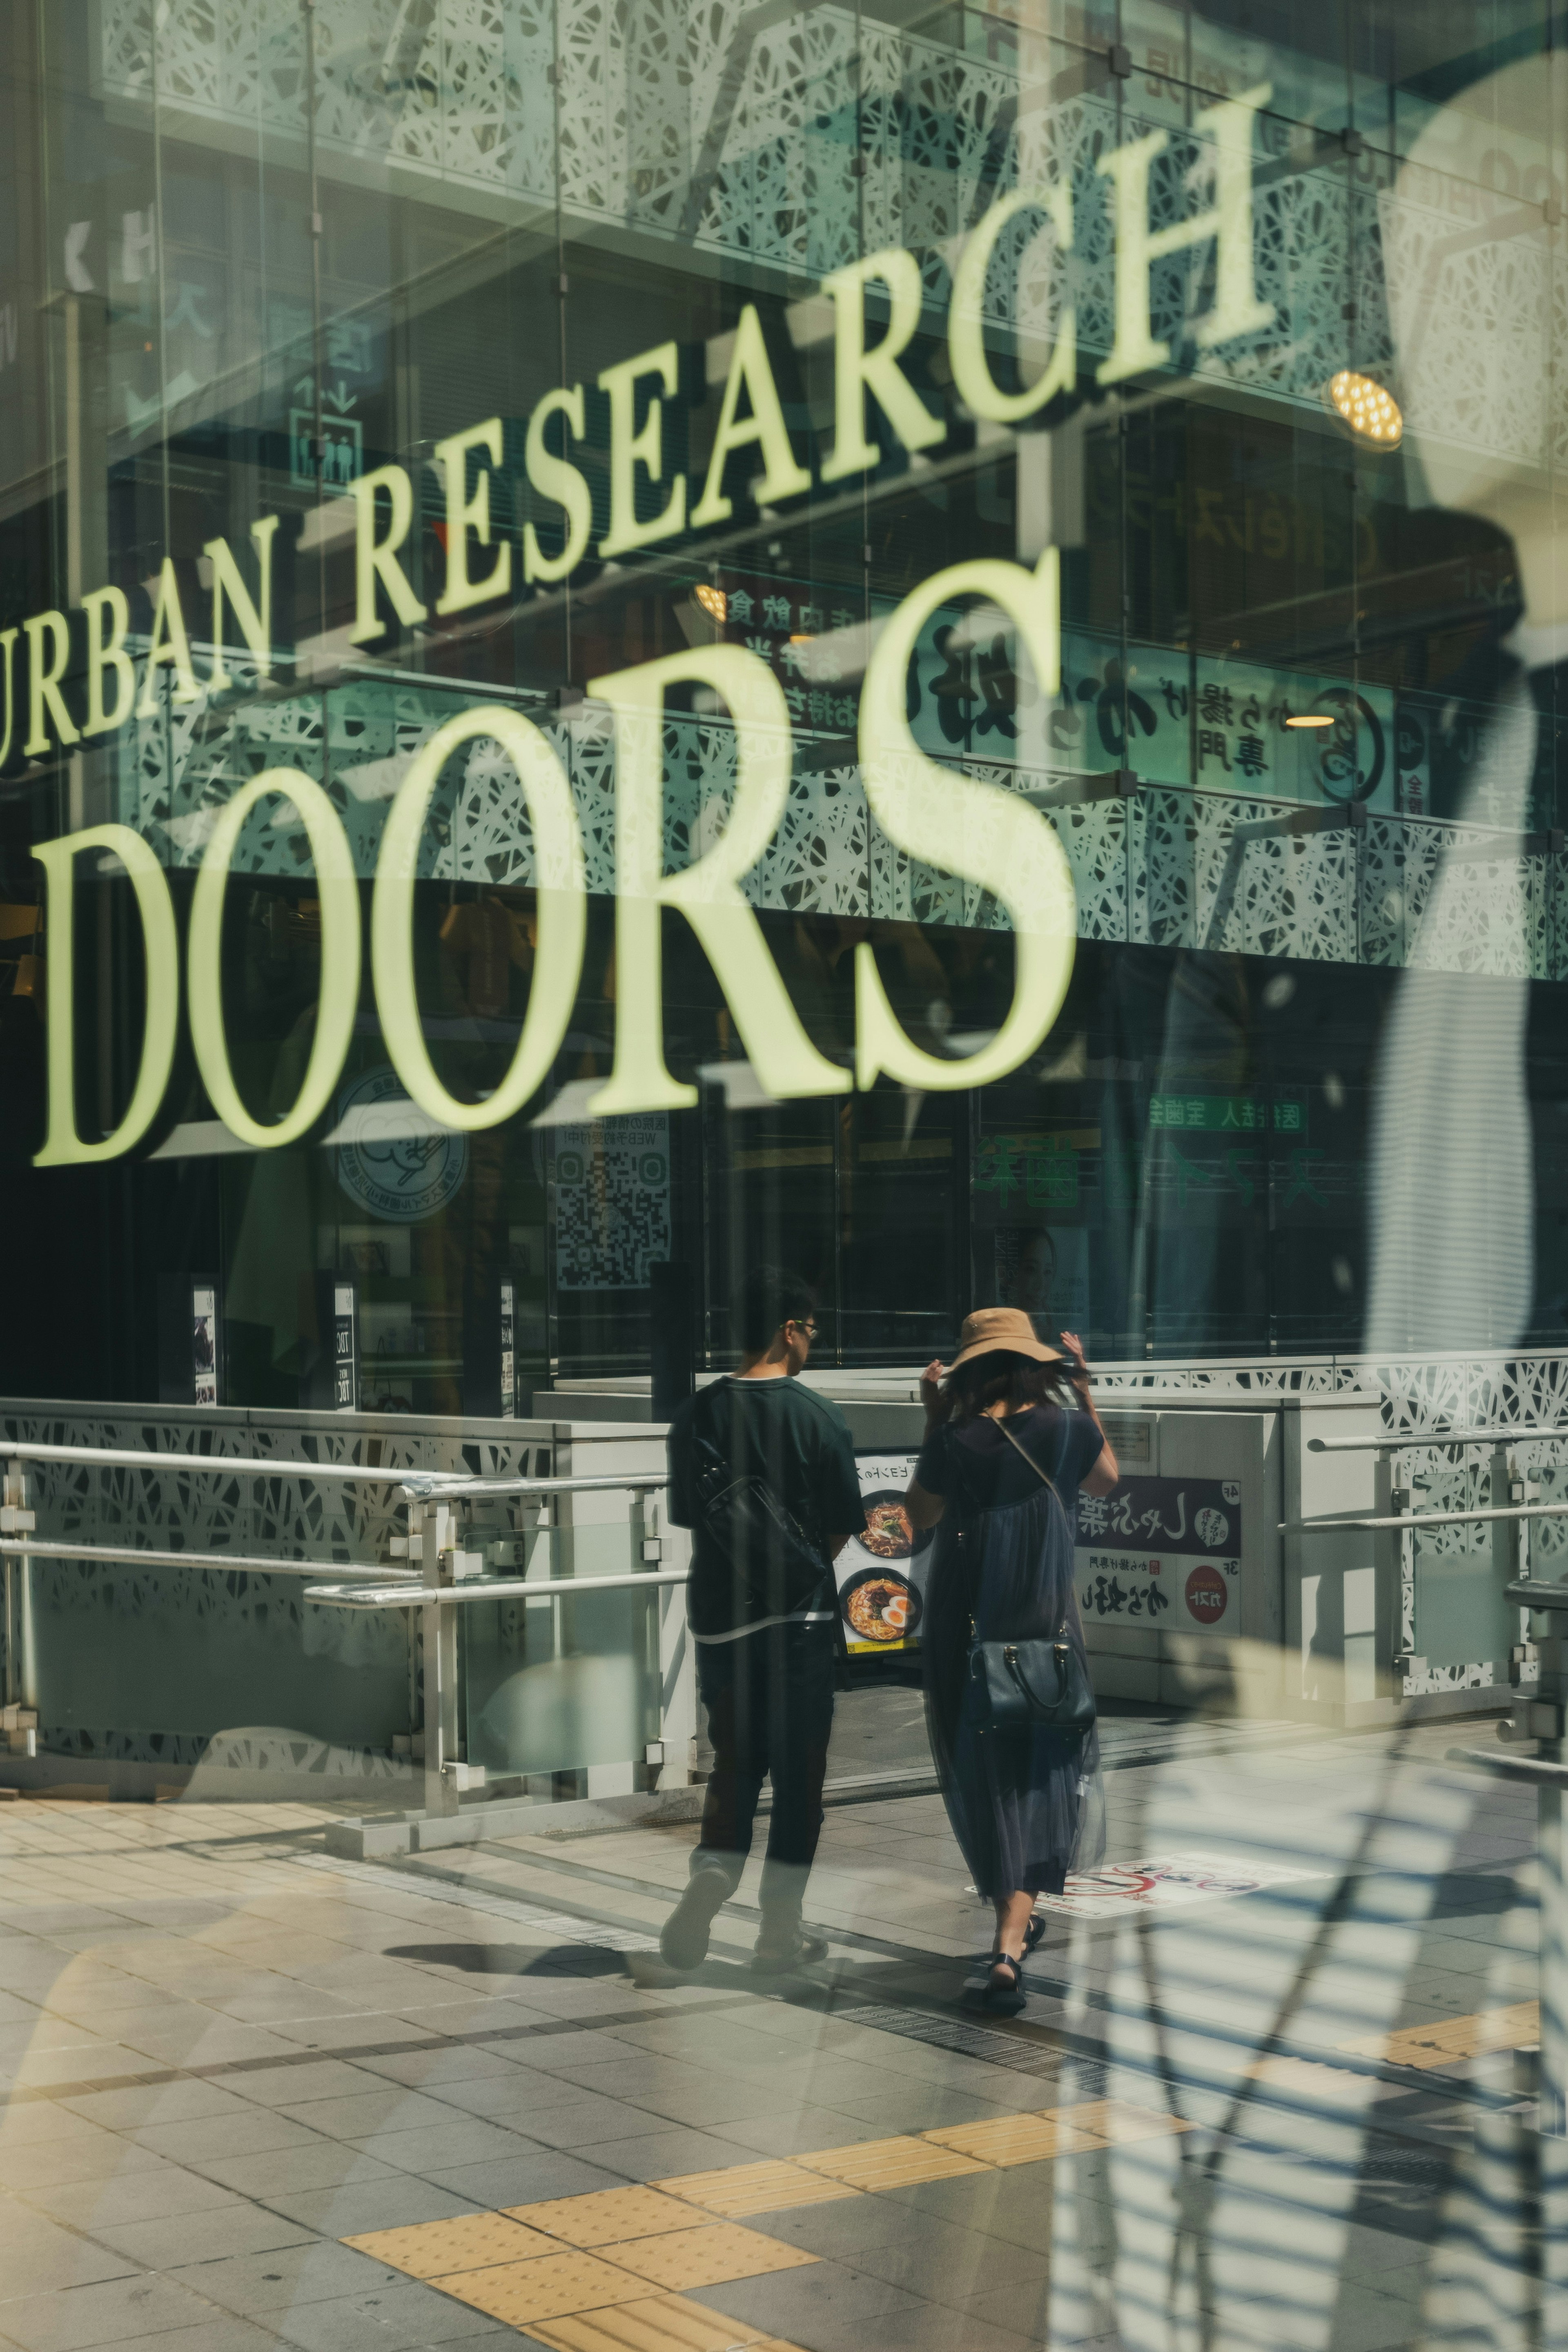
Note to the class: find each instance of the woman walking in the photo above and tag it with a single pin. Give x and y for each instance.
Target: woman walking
(1011, 1435)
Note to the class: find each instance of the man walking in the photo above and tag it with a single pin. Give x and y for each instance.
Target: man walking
(763, 1606)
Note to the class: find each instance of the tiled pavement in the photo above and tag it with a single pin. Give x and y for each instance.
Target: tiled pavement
(228, 2055)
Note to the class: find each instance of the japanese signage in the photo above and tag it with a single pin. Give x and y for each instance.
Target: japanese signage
(1227, 1114)
(1161, 1551)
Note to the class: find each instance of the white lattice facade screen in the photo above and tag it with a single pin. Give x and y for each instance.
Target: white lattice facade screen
(799, 147)
(1161, 866)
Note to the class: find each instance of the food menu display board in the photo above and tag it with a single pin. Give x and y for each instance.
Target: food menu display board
(882, 1572)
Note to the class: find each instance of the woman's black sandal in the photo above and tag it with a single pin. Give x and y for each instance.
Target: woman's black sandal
(1033, 1933)
(1005, 1995)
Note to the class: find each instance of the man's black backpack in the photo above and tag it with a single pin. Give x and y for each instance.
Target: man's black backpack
(778, 1570)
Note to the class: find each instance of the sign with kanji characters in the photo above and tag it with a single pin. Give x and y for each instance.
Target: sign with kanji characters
(1161, 1551)
(1208, 1113)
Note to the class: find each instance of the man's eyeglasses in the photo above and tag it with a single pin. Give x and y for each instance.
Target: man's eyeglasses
(806, 1330)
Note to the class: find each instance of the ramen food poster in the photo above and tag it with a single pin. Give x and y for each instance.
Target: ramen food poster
(1161, 1551)
(882, 1572)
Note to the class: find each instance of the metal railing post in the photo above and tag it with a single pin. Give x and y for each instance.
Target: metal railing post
(16, 1518)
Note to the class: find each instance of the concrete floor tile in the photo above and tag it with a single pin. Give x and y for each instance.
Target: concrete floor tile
(362, 2206)
(388, 2319)
(943, 2263)
(306, 2084)
(102, 2155)
(144, 2196)
(320, 2163)
(159, 2103)
(923, 2328)
(49, 2259)
(223, 2333)
(375, 2108)
(431, 2067)
(524, 2180)
(116, 2312)
(796, 2131)
(317, 2271)
(579, 2122)
(252, 2131)
(799, 2304)
(653, 2156)
(176, 2241)
(442, 2147)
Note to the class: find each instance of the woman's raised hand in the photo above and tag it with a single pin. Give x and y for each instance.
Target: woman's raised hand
(1072, 1346)
(937, 1404)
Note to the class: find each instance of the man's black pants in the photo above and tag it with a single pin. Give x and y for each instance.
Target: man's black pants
(769, 1697)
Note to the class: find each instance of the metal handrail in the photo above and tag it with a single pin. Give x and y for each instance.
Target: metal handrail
(440, 1486)
(1427, 1518)
(480, 1588)
(1416, 1441)
(217, 1562)
(229, 1465)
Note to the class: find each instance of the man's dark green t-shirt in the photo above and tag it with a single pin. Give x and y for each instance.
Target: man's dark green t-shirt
(783, 1432)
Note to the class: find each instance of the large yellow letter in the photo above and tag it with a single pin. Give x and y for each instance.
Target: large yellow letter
(466, 514)
(987, 834)
(338, 1000)
(966, 313)
(628, 450)
(1237, 308)
(255, 626)
(44, 683)
(377, 558)
(555, 478)
(560, 887)
(856, 370)
(781, 477)
(62, 1144)
(106, 650)
(8, 645)
(168, 643)
(708, 892)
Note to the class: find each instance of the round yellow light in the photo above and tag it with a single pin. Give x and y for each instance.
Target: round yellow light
(1363, 404)
(1318, 719)
(713, 601)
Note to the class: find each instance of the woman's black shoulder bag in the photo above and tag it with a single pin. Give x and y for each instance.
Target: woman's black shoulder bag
(1038, 1681)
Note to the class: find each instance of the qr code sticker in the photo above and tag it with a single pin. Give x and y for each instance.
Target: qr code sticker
(612, 1202)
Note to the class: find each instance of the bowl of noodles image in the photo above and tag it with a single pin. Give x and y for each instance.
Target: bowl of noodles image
(881, 1606)
(890, 1533)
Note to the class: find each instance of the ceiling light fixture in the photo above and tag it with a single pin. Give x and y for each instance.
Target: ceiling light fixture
(713, 601)
(1316, 719)
(1363, 406)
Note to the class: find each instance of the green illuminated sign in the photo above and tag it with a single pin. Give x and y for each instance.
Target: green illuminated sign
(1227, 1115)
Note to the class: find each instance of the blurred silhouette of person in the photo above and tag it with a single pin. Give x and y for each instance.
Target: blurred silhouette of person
(764, 1625)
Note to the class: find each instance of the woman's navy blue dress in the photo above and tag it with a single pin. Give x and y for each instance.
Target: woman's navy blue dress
(1026, 1807)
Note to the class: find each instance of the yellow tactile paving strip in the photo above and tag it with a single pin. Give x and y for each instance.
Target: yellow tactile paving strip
(552, 2286)
(739, 2190)
(472, 2242)
(873, 2164)
(603, 2216)
(663, 2323)
(574, 2272)
(1016, 2139)
(1451, 2040)
(711, 2255)
(1115, 2122)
